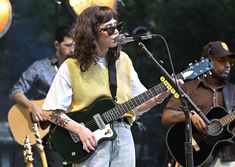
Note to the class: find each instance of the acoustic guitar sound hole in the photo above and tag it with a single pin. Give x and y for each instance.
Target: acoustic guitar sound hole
(215, 128)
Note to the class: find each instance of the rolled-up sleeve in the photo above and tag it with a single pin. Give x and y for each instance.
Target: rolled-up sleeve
(60, 92)
(25, 82)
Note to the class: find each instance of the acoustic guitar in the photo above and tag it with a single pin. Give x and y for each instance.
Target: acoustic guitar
(204, 143)
(20, 123)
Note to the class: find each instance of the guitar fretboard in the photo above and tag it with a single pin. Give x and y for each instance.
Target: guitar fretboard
(119, 110)
(227, 119)
(191, 73)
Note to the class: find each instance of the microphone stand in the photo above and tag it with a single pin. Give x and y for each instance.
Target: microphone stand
(185, 99)
(57, 3)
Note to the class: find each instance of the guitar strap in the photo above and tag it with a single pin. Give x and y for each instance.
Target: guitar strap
(228, 96)
(112, 79)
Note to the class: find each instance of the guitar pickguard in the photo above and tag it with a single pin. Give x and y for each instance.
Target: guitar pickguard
(106, 132)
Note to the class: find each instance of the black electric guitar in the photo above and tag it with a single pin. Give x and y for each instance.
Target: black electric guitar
(204, 144)
(102, 111)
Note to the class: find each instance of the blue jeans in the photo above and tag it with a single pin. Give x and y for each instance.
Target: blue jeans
(116, 153)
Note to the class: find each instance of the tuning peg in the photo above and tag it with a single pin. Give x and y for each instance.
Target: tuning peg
(161, 62)
(190, 64)
(204, 75)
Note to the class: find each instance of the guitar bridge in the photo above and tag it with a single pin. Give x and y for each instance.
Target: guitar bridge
(75, 138)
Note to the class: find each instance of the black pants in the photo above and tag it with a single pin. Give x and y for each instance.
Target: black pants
(53, 158)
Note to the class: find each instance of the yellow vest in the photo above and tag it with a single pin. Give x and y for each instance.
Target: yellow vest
(94, 83)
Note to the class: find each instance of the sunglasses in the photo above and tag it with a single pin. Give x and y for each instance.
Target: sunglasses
(111, 29)
(224, 60)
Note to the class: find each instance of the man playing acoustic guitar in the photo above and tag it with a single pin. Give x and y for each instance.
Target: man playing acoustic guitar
(215, 96)
(34, 84)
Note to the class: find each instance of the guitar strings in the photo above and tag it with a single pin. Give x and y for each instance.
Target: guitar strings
(106, 116)
(92, 124)
(200, 135)
(129, 105)
(216, 127)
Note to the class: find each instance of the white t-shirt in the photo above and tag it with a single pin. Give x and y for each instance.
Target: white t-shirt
(60, 93)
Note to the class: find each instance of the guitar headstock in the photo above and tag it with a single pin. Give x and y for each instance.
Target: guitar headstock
(28, 154)
(39, 144)
(196, 70)
(37, 136)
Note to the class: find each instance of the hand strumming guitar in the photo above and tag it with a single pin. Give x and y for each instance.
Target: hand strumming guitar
(198, 122)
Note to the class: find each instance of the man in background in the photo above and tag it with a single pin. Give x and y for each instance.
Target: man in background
(36, 80)
(213, 91)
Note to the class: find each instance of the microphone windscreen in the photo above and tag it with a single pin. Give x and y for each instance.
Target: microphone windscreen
(121, 39)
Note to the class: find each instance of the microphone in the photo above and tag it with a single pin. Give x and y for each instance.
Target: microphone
(122, 39)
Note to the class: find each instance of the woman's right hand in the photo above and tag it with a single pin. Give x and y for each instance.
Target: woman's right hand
(87, 138)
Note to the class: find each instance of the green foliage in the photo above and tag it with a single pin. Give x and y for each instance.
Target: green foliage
(186, 25)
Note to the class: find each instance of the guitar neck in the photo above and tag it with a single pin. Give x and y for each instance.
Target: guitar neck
(121, 109)
(29, 164)
(43, 158)
(191, 73)
(227, 119)
(39, 145)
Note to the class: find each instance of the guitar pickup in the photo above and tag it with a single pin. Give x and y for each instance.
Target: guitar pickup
(74, 137)
(99, 121)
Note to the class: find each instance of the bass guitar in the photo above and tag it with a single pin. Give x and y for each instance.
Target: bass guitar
(218, 134)
(102, 111)
(21, 123)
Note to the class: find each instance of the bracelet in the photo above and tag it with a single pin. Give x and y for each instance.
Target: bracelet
(158, 102)
(137, 109)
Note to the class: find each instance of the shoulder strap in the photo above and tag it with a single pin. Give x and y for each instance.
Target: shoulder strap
(228, 96)
(112, 79)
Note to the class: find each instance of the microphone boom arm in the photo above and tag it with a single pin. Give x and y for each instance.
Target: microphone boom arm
(184, 98)
(170, 79)
(122, 39)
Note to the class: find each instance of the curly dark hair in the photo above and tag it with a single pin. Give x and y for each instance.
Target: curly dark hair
(86, 35)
